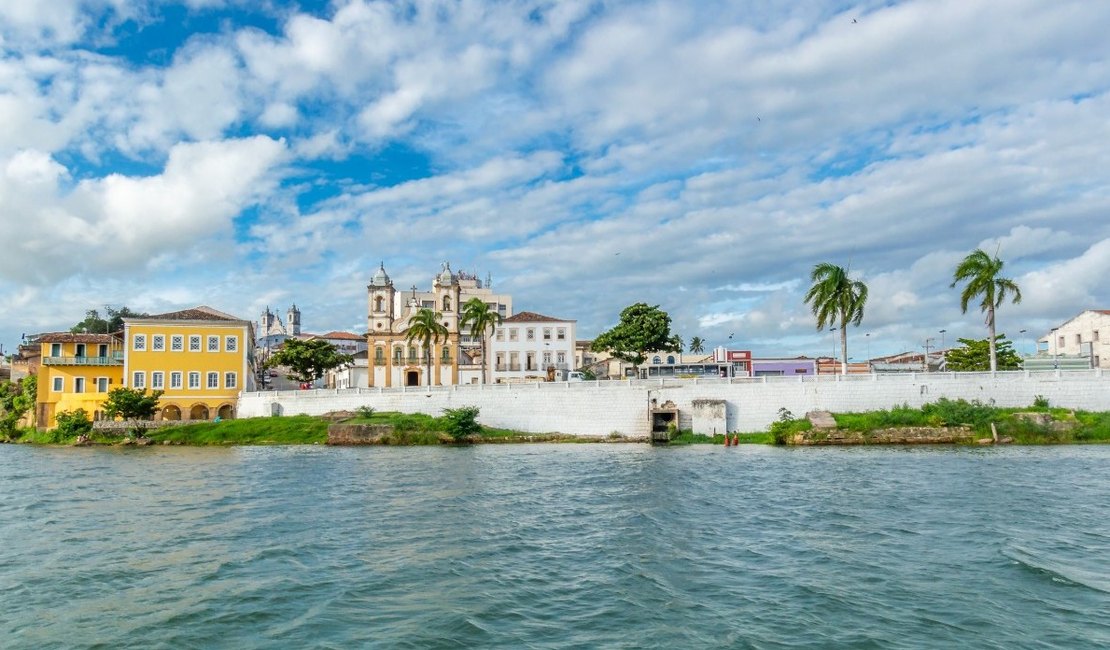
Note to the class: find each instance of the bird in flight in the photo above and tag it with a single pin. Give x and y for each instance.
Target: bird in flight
(854, 21)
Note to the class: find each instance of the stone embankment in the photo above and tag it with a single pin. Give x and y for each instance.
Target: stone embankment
(892, 436)
(358, 434)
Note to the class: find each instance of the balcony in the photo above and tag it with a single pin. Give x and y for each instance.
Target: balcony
(115, 360)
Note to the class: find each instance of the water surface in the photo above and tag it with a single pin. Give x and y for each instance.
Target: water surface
(539, 546)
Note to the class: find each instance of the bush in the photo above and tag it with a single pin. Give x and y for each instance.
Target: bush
(960, 411)
(784, 427)
(72, 424)
(461, 422)
(366, 412)
(1040, 402)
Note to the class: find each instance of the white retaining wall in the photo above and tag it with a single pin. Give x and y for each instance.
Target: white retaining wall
(600, 408)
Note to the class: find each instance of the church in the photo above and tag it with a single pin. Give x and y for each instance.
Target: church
(395, 361)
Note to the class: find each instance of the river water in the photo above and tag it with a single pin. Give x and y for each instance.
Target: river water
(555, 546)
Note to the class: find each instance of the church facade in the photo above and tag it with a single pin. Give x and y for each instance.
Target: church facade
(394, 360)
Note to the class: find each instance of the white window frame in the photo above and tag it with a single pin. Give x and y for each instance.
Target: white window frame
(158, 342)
(231, 343)
(213, 343)
(547, 333)
(530, 334)
(176, 380)
(500, 335)
(194, 343)
(513, 334)
(212, 380)
(58, 385)
(561, 334)
(138, 343)
(194, 380)
(177, 343)
(79, 384)
(102, 384)
(157, 380)
(138, 379)
(231, 379)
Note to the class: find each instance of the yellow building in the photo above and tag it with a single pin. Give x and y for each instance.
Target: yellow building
(200, 358)
(77, 372)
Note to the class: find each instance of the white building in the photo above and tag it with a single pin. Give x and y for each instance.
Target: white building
(1086, 335)
(344, 342)
(531, 346)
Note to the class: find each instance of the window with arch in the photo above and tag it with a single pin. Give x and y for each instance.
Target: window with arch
(670, 359)
(398, 352)
(379, 304)
(656, 360)
(379, 353)
(446, 353)
(412, 352)
(447, 303)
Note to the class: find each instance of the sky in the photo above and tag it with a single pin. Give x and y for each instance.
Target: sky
(587, 154)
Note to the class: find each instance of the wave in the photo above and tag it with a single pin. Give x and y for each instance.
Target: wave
(1057, 569)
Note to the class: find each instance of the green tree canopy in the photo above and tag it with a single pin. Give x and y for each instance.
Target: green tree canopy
(975, 355)
(642, 328)
(131, 403)
(16, 399)
(94, 323)
(308, 360)
(426, 328)
(697, 345)
(481, 319)
(981, 272)
(836, 299)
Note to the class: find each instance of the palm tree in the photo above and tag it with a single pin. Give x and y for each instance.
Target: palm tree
(697, 346)
(426, 328)
(980, 271)
(836, 299)
(481, 319)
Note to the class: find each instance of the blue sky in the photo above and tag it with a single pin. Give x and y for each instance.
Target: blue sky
(587, 154)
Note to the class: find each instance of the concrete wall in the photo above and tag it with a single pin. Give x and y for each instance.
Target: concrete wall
(599, 408)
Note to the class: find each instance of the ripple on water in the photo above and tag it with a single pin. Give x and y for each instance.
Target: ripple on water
(554, 546)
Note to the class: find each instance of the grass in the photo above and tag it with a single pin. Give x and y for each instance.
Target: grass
(691, 438)
(291, 430)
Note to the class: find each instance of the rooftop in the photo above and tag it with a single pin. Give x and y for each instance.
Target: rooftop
(533, 317)
(70, 337)
(196, 313)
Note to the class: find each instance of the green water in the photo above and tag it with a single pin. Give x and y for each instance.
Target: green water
(555, 546)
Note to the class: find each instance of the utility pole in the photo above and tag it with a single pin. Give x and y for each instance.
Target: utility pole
(928, 343)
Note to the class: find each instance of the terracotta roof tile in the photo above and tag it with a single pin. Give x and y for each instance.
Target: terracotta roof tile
(70, 337)
(197, 313)
(346, 336)
(533, 317)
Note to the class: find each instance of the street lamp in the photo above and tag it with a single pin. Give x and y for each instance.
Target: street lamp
(942, 339)
(1055, 350)
(1024, 342)
(867, 336)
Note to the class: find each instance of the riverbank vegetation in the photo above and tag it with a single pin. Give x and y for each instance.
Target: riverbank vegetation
(1036, 424)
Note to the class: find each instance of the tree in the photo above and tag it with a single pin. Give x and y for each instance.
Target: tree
(981, 272)
(642, 328)
(16, 399)
(426, 328)
(131, 403)
(836, 299)
(975, 355)
(95, 324)
(481, 319)
(308, 360)
(697, 345)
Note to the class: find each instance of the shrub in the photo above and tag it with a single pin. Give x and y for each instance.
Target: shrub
(1040, 402)
(366, 412)
(72, 424)
(461, 422)
(782, 428)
